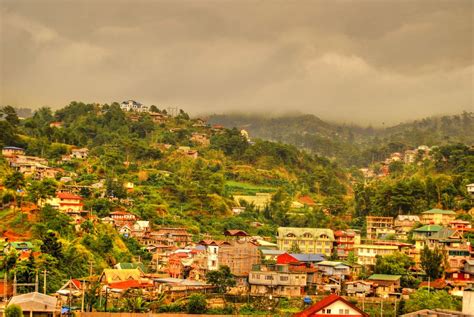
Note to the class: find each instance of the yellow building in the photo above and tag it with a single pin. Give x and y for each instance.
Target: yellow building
(438, 217)
(308, 240)
(367, 253)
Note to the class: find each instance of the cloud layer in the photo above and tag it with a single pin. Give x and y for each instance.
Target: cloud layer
(365, 61)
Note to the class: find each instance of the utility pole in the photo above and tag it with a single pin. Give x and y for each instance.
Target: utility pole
(83, 291)
(44, 281)
(36, 282)
(5, 287)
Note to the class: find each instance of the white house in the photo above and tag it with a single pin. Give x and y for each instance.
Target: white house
(132, 105)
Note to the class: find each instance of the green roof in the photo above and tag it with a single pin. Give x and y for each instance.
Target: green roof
(439, 211)
(384, 277)
(444, 233)
(429, 228)
(21, 245)
(129, 266)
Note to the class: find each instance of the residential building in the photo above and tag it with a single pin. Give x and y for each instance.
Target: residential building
(386, 284)
(437, 217)
(123, 217)
(179, 236)
(36, 304)
(308, 240)
(470, 188)
(357, 288)
(451, 241)
(132, 105)
(307, 259)
(276, 280)
(19, 246)
(405, 223)
(334, 268)
(10, 151)
(212, 252)
(80, 153)
(421, 234)
(115, 275)
(239, 256)
(67, 202)
(332, 305)
(367, 253)
(378, 226)
(409, 156)
(344, 242)
(200, 139)
(271, 255)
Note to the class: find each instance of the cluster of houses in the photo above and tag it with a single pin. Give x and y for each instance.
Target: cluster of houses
(410, 156)
(37, 167)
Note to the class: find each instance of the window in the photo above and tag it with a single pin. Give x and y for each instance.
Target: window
(269, 277)
(283, 278)
(455, 275)
(346, 311)
(328, 311)
(341, 311)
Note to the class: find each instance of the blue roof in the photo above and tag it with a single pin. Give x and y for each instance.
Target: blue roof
(309, 257)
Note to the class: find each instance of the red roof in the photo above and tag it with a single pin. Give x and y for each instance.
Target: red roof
(306, 200)
(128, 284)
(314, 309)
(437, 284)
(68, 196)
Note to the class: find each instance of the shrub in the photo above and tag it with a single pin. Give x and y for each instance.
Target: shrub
(13, 311)
(197, 304)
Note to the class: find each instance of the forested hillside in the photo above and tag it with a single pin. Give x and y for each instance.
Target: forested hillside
(187, 173)
(350, 144)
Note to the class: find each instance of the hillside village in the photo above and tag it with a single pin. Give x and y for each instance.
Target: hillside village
(141, 203)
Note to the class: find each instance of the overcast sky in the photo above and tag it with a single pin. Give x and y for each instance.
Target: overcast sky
(357, 61)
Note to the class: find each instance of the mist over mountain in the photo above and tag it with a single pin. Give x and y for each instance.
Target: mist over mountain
(349, 143)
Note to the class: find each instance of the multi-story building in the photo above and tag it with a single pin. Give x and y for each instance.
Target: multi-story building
(333, 268)
(180, 236)
(378, 226)
(276, 279)
(10, 151)
(66, 202)
(239, 256)
(308, 240)
(367, 253)
(132, 105)
(386, 284)
(405, 223)
(212, 252)
(345, 241)
(421, 234)
(437, 217)
(452, 243)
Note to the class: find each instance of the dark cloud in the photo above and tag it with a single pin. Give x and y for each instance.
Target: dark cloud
(365, 61)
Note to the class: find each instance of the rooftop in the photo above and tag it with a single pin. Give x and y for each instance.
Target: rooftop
(439, 212)
(384, 277)
(429, 228)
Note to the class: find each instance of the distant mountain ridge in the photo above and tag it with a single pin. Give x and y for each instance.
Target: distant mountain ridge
(352, 144)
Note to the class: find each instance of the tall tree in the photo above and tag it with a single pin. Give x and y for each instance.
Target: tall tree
(433, 262)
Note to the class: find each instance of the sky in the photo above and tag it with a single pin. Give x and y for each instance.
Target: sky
(352, 61)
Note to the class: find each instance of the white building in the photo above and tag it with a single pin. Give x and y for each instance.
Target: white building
(132, 105)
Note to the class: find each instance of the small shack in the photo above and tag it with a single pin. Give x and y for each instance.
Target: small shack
(36, 304)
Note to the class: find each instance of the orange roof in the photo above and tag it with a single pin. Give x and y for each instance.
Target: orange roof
(68, 196)
(438, 284)
(306, 200)
(129, 284)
